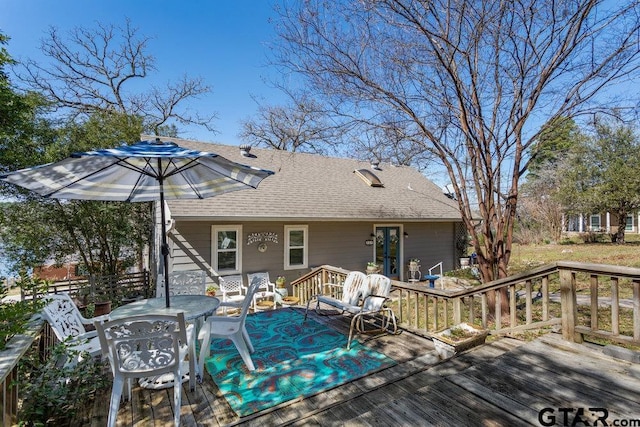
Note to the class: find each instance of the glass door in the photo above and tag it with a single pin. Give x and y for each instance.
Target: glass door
(388, 251)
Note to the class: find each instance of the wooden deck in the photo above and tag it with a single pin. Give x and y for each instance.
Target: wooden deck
(503, 383)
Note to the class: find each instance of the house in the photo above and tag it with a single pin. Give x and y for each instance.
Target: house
(56, 273)
(315, 210)
(600, 223)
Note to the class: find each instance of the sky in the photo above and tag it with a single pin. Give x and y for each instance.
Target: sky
(225, 42)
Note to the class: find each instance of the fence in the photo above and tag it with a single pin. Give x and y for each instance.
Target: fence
(117, 289)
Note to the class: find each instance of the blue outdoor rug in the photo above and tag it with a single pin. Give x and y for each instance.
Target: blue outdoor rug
(292, 360)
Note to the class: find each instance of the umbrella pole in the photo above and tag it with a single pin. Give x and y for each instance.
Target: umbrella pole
(164, 247)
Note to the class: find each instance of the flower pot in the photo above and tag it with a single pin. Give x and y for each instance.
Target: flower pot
(102, 307)
(458, 338)
(372, 270)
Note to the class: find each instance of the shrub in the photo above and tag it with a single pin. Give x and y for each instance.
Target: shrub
(464, 273)
(15, 315)
(52, 395)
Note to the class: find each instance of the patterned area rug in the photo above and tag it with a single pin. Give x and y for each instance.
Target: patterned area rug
(292, 360)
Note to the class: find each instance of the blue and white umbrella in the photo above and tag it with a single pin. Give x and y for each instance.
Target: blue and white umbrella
(141, 172)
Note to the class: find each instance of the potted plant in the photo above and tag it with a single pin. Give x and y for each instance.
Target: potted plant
(414, 264)
(372, 268)
(458, 338)
(280, 281)
(211, 290)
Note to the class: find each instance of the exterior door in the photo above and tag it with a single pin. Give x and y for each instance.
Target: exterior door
(388, 251)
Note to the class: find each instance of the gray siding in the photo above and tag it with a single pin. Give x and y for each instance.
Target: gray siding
(341, 244)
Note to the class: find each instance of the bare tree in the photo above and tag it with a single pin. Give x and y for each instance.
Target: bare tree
(302, 125)
(95, 69)
(540, 212)
(470, 82)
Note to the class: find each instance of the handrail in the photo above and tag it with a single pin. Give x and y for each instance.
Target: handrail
(438, 265)
(38, 334)
(113, 288)
(304, 287)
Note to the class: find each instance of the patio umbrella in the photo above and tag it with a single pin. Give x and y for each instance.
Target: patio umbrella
(141, 172)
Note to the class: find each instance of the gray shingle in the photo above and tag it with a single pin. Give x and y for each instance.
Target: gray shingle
(310, 186)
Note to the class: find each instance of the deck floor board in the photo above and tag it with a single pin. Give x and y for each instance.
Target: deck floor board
(504, 382)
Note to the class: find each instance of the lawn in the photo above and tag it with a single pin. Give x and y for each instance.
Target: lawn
(525, 257)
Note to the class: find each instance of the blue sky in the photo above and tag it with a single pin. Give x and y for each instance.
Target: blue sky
(224, 42)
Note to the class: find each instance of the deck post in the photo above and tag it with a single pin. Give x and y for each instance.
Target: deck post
(569, 306)
(457, 310)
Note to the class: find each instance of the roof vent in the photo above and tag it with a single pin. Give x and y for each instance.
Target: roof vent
(375, 165)
(245, 150)
(369, 177)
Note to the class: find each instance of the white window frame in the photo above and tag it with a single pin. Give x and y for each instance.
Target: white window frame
(288, 247)
(627, 226)
(591, 226)
(215, 229)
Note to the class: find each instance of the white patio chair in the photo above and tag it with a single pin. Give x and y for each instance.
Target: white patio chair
(143, 346)
(68, 325)
(266, 290)
(232, 328)
(232, 288)
(188, 282)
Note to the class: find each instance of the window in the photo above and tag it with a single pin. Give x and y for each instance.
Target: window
(629, 224)
(595, 222)
(296, 246)
(226, 249)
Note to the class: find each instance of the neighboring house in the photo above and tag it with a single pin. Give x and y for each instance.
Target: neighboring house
(53, 272)
(600, 223)
(315, 210)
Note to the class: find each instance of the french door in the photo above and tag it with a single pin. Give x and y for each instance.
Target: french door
(388, 251)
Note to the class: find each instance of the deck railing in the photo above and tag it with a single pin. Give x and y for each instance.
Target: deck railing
(601, 301)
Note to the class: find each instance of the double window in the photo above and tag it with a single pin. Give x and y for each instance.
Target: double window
(227, 249)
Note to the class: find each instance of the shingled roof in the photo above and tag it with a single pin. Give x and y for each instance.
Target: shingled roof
(313, 187)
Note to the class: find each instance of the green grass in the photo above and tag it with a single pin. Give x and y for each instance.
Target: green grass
(525, 257)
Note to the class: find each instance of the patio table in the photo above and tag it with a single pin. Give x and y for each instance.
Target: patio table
(194, 307)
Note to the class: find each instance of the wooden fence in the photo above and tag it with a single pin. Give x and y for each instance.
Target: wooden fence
(116, 289)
